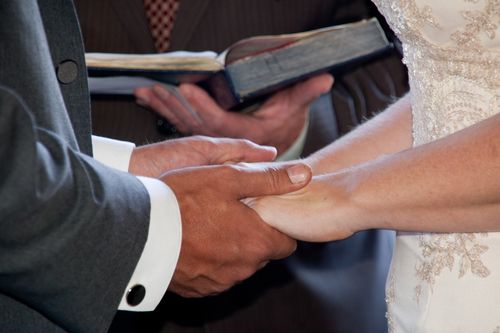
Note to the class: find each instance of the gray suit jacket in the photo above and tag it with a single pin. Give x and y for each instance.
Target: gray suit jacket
(335, 287)
(72, 229)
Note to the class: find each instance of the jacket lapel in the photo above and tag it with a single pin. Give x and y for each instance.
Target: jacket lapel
(131, 14)
(186, 22)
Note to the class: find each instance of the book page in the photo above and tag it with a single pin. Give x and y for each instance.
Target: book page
(179, 60)
(118, 85)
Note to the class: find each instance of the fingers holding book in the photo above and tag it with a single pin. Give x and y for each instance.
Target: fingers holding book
(277, 122)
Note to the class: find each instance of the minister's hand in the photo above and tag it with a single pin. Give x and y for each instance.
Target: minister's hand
(223, 240)
(278, 122)
(155, 159)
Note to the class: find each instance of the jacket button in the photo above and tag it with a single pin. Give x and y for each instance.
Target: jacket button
(67, 71)
(135, 295)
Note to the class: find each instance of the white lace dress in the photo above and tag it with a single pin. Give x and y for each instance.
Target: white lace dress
(447, 282)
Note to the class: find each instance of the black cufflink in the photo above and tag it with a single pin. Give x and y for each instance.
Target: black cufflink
(135, 295)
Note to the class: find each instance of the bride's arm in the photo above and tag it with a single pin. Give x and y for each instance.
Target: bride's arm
(449, 185)
(388, 132)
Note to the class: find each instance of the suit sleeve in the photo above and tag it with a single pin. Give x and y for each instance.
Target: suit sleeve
(72, 230)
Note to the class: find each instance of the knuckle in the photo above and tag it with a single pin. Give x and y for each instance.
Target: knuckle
(289, 246)
(224, 287)
(246, 272)
(278, 245)
(195, 128)
(228, 171)
(262, 248)
(219, 123)
(157, 105)
(211, 144)
(211, 290)
(247, 143)
(274, 179)
(226, 280)
(182, 128)
(216, 124)
(197, 125)
(286, 248)
(189, 294)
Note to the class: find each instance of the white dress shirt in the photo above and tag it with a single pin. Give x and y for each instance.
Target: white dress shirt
(157, 263)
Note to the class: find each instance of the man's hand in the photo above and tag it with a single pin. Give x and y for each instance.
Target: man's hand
(155, 159)
(278, 122)
(224, 241)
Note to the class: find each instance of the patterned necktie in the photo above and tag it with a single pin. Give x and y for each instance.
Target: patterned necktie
(161, 16)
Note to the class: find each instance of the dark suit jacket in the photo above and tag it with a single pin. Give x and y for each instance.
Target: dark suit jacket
(336, 287)
(68, 242)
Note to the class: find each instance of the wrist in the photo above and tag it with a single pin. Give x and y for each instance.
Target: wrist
(133, 165)
(321, 165)
(350, 207)
(139, 163)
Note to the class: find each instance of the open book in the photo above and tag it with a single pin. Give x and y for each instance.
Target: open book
(249, 69)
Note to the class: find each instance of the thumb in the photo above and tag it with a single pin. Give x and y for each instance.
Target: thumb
(240, 150)
(306, 92)
(271, 179)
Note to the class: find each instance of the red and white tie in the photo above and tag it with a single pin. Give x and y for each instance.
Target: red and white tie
(161, 16)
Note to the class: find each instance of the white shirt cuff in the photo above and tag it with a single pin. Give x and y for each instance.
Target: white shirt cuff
(113, 153)
(158, 260)
(161, 252)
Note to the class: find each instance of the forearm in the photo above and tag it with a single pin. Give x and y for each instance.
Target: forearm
(388, 132)
(449, 185)
(62, 221)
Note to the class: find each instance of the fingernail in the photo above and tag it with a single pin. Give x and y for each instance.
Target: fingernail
(142, 101)
(186, 91)
(298, 173)
(271, 149)
(162, 90)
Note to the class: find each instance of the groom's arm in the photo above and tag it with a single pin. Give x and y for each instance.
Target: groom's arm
(149, 282)
(72, 229)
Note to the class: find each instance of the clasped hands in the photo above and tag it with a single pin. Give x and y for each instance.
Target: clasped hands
(224, 240)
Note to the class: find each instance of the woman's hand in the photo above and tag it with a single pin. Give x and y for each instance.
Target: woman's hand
(319, 212)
